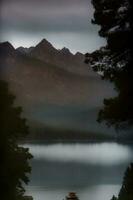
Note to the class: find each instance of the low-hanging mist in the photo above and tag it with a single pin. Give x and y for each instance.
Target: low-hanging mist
(95, 154)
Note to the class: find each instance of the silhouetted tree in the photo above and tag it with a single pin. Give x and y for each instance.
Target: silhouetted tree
(114, 198)
(126, 191)
(114, 60)
(14, 165)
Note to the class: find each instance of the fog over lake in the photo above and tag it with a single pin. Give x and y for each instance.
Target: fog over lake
(103, 154)
(94, 171)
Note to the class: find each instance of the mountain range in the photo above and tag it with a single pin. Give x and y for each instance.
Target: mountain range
(53, 85)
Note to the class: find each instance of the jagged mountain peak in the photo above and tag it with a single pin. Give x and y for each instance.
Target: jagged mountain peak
(78, 54)
(24, 50)
(6, 48)
(7, 45)
(65, 50)
(44, 43)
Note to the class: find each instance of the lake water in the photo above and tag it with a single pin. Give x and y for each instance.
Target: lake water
(94, 171)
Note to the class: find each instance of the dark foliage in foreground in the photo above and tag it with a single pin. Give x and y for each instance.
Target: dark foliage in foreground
(114, 60)
(14, 165)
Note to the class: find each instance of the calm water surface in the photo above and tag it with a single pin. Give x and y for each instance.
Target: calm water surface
(94, 171)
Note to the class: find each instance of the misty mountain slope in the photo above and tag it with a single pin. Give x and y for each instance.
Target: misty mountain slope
(35, 81)
(76, 118)
(51, 90)
(63, 58)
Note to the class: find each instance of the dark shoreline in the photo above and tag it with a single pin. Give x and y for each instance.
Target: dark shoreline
(60, 141)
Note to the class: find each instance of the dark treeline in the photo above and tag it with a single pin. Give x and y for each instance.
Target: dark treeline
(14, 166)
(55, 133)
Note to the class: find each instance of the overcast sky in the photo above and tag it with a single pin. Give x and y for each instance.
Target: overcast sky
(62, 22)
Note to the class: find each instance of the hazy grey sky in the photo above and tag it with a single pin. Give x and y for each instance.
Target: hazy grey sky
(62, 22)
